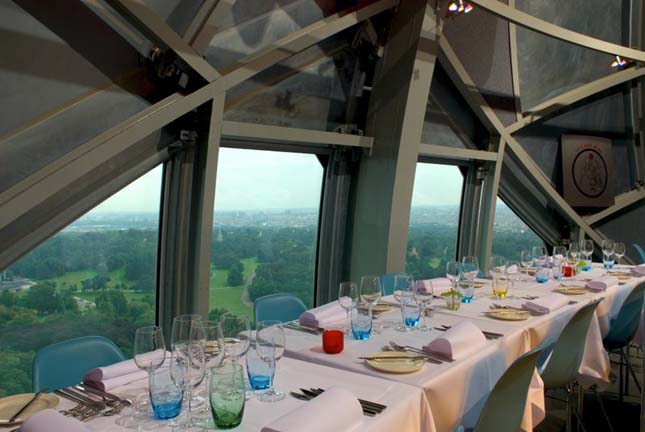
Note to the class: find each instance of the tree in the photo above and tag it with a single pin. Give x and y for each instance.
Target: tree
(235, 275)
(112, 302)
(8, 299)
(42, 297)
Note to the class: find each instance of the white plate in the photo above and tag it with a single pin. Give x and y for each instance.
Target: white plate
(397, 367)
(11, 404)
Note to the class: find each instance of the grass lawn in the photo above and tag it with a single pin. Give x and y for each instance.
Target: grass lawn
(434, 262)
(222, 296)
(129, 295)
(71, 278)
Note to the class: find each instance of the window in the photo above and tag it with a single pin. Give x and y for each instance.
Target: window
(510, 235)
(95, 277)
(265, 228)
(434, 219)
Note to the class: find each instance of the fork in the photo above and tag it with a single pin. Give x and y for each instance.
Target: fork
(432, 358)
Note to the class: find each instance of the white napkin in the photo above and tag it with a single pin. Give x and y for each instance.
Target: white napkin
(603, 283)
(639, 270)
(50, 420)
(459, 341)
(546, 304)
(107, 378)
(335, 410)
(439, 285)
(324, 316)
(512, 269)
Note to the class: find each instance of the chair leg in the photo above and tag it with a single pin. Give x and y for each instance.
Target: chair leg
(624, 359)
(579, 410)
(602, 408)
(620, 379)
(569, 408)
(631, 371)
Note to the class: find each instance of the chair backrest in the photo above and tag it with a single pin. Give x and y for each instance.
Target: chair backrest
(63, 364)
(504, 407)
(563, 364)
(640, 251)
(387, 282)
(623, 328)
(281, 307)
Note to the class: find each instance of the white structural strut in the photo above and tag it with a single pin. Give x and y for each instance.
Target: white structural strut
(440, 151)
(141, 16)
(464, 82)
(25, 195)
(622, 201)
(530, 22)
(564, 100)
(288, 135)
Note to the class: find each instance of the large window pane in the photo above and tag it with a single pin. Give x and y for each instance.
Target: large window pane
(265, 228)
(510, 234)
(95, 277)
(434, 219)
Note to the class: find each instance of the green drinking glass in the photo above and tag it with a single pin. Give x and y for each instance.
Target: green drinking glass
(227, 395)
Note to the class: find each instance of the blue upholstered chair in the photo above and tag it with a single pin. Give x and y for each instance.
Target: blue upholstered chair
(281, 307)
(640, 251)
(622, 330)
(508, 398)
(63, 364)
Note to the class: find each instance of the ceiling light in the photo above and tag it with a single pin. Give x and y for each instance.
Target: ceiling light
(620, 63)
(458, 7)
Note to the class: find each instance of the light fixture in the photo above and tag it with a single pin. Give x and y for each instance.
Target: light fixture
(620, 63)
(458, 7)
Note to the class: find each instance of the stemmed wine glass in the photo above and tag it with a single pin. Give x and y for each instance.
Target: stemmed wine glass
(619, 251)
(213, 357)
(539, 255)
(526, 259)
(403, 291)
(270, 341)
(559, 255)
(587, 250)
(423, 295)
(453, 270)
(188, 362)
(371, 291)
(470, 267)
(236, 335)
(497, 266)
(348, 296)
(149, 348)
(608, 253)
(574, 254)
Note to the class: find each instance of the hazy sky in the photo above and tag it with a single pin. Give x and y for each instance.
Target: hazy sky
(253, 179)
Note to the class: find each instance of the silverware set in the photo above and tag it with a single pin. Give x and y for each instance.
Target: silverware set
(430, 357)
(299, 327)
(487, 334)
(370, 409)
(91, 402)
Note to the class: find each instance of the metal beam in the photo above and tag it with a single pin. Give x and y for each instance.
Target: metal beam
(289, 135)
(151, 25)
(201, 18)
(532, 23)
(467, 87)
(439, 151)
(515, 72)
(560, 102)
(622, 201)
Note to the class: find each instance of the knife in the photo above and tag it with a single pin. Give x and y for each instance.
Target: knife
(27, 405)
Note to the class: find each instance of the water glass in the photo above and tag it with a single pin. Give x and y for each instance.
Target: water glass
(361, 321)
(410, 311)
(500, 286)
(260, 368)
(558, 271)
(227, 395)
(166, 395)
(467, 290)
(542, 275)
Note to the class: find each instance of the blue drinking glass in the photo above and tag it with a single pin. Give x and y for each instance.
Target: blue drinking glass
(542, 275)
(410, 311)
(466, 288)
(165, 395)
(260, 369)
(361, 321)
(608, 261)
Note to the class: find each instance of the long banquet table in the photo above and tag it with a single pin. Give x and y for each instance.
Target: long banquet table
(456, 391)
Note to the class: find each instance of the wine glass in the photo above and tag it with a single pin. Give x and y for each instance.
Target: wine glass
(371, 291)
(347, 296)
(423, 295)
(149, 348)
(236, 335)
(469, 267)
(539, 255)
(213, 357)
(608, 253)
(403, 289)
(526, 259)
(270, 340)
(513, 272)
(619, 251)
(574, 254)
(587, 250)
(188, 361)
(497, 266)
(453, 270)
(559, 254)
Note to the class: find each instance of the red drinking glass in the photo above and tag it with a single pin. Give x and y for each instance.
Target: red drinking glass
(333, 341)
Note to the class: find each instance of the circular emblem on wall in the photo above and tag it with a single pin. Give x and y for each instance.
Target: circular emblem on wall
(589, 172)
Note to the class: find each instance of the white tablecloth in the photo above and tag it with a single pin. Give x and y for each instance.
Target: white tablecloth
(407, 410)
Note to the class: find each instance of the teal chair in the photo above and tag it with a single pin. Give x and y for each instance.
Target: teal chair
(640, 251)
(281, 307)
(559, 367)
(504, 408)
(63, 364)
(387, 282)
(622, 330)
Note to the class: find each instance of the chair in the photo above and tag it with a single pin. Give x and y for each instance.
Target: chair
(621, 332)
(504, 407)
(281, 307)
(387, 283)
(640, 251)
(63, 364)
(559, 368)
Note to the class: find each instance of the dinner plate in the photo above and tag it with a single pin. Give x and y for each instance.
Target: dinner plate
(478, 284)
(11, 404)
(509, 314)
(394, 366)
(380, 307)
(571, 290)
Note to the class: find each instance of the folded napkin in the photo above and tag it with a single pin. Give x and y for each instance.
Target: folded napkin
(439, 285)
(603, 283)
(457, 342)
(336, 410)
(107, 378)
(50, 420)
(546, 304)
(512, 269)
(324, 316)
(639, 270)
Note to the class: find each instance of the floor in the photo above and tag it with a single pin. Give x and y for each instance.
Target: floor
(624, 417)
